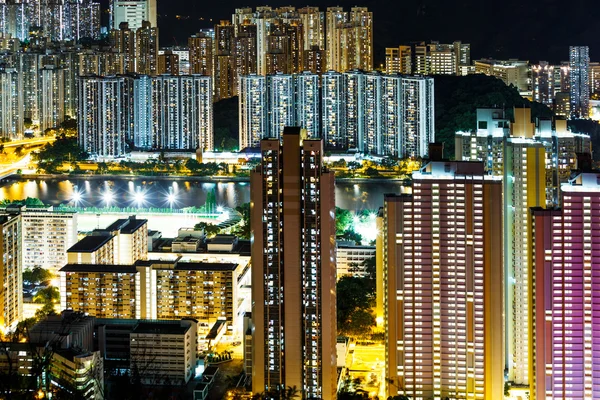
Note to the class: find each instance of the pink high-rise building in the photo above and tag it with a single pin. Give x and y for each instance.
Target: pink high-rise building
(566, 294)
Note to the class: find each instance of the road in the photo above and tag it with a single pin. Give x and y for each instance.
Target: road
(9, 169)
(30, 142)
(368, 364)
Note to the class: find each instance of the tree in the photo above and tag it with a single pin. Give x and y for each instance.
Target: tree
(242, 229)
(210, 230)
(49, 295)
(355, 299)
(343, 220)
(352, 236)
(37, 275)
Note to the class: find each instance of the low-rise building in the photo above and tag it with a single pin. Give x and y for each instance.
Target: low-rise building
(123, 242)
(165, 289)
(350, 258)
(164, 351)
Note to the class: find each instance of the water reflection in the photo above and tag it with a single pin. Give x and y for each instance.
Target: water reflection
(162, 193)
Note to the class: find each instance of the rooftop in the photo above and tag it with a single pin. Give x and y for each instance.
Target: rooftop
(108, 268)
(126, 226)
(90, 244)
(161, 328)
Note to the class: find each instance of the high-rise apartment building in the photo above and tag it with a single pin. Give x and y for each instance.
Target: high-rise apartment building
(428, 58)
(566, 364)
(201, 54)
(333, 110)
(307, 103)
(158, 112)
(334, 17)
(122, 41)
(11, 103)
(511, 72)
(104, 114)
(281, 103)
(533, 163)
(524, 187)
(11, 271)
(313, 23)
(52, 97)
(487, 144)
(352, 110)
(443, 285)
(167, 63)
(146, 49)
(579, 70)
(253, 110)
(134, 12)
(542, 81)
(293, 275)
(55, 20)
(181, 112)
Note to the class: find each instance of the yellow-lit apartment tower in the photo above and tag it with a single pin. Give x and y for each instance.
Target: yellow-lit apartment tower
(11, 272)
(293, 268)
(524, 187)
(443, 283)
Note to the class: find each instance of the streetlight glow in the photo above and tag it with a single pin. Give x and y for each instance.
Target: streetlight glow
(108, 197)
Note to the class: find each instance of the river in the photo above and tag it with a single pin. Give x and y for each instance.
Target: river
(182, 193)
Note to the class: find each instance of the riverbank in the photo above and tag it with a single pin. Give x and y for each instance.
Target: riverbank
(183, 178)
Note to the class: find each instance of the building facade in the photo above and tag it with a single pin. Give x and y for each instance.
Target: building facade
(293, 308)
(388, 115)
(565, 310)
(443, 285)
(579, 73)
(11, 272)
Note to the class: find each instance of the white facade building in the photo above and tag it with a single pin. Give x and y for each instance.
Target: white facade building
(253, 110)
(133, 12)
(11, 104)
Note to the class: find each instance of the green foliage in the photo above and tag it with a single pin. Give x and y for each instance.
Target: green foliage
(37, 275)
(225, 124)
(372, 172)
(49, 295)
(52, 155)
(343, 220)
(210, 230)
(201, 169)
(242, 230)
(289, 393)
(355, 299)
(351, 236)
(458, 97)
(30, 201)
(339, 164)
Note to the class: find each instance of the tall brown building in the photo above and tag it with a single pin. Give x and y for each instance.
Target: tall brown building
(314, 60)
(168, 63)
(293, 271)
(123, 41)
(146, 49)
(201, 54)
(443, 285)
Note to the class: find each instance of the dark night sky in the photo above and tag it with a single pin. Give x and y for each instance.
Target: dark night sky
(529, 30)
